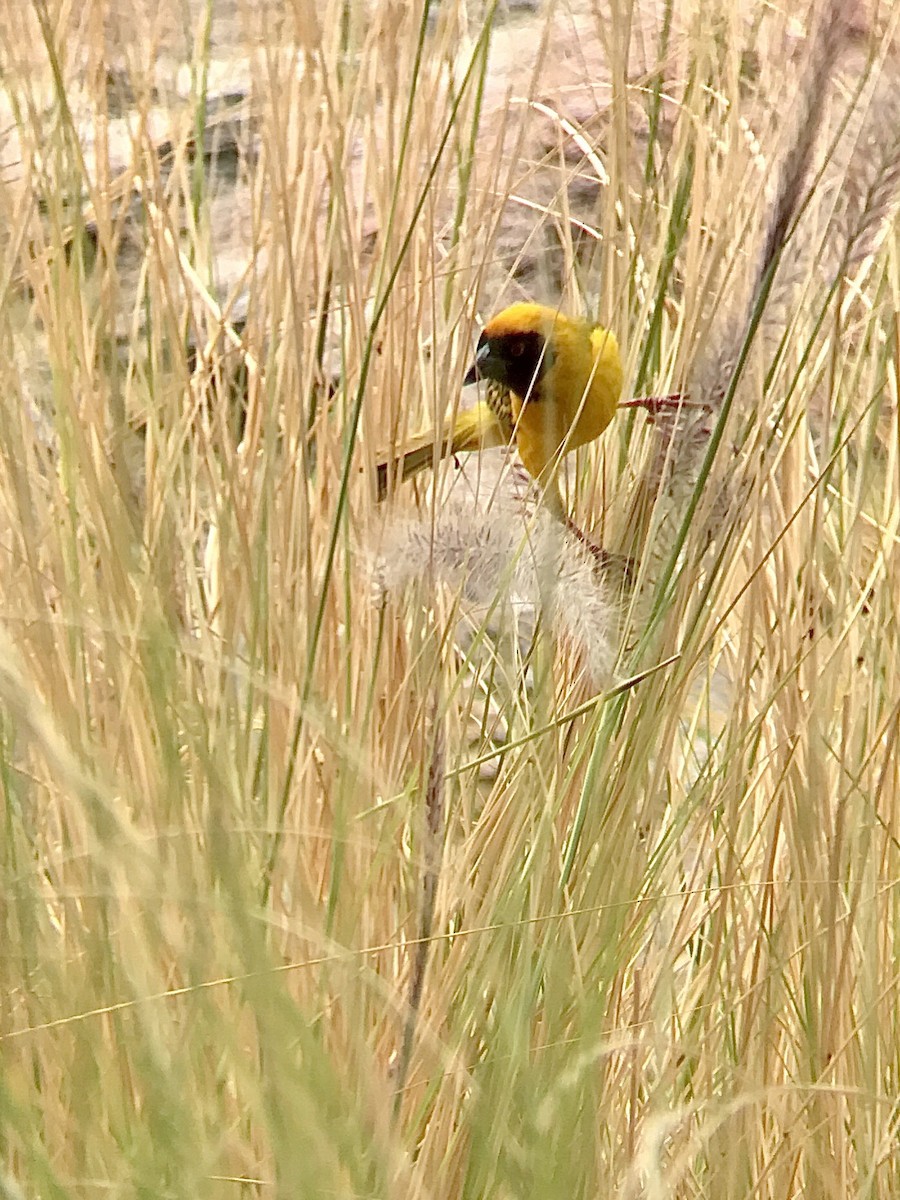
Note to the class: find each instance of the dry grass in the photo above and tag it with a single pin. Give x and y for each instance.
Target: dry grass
(310, 895)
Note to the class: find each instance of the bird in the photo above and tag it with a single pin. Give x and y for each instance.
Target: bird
(553, 384)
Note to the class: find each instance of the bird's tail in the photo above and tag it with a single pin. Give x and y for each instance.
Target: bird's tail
(474, 429)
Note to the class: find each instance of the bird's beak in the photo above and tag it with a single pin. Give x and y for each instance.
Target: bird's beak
(474, 372)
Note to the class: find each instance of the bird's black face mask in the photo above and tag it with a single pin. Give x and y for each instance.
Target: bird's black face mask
(518, 361)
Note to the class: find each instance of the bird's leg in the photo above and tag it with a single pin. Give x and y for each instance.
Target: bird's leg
(655, 405)
(604, 559)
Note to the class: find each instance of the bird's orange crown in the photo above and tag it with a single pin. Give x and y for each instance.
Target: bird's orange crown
(531, 318)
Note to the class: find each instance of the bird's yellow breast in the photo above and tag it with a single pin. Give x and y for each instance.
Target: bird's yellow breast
(577, 397)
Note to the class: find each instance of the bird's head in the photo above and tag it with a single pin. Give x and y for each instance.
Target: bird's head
(517, 348)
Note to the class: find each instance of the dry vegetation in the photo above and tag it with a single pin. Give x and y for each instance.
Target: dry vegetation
(327, 868)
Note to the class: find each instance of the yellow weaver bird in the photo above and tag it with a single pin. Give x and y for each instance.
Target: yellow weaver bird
(553, 384)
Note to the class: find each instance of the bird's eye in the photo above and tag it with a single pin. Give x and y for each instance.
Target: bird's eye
(517, 347)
